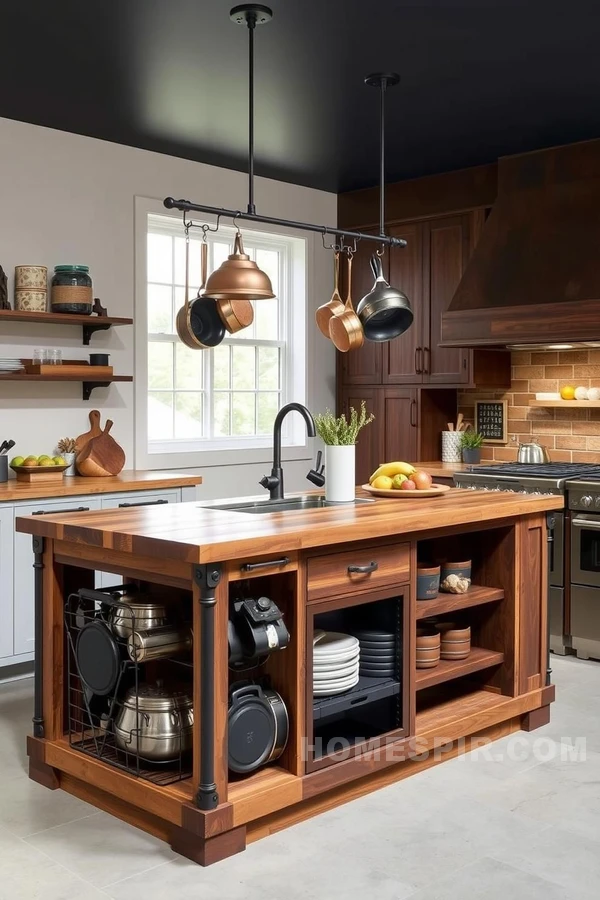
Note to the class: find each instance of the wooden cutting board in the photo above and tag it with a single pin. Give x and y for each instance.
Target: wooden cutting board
(101, 456)
(95, 431)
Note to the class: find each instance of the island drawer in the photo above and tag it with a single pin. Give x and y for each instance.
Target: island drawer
(365, 567)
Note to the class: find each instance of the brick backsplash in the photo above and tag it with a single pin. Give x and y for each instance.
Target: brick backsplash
(571, 435)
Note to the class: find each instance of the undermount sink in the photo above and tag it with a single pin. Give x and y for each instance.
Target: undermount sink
(293, 504)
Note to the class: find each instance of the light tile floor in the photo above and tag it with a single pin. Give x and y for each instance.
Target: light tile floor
(516, 820)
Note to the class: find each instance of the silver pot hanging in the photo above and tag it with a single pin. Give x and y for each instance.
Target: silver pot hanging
(385, 312)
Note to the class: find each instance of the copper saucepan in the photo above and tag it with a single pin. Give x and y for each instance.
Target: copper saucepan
(235, 314)
(333, 307)
(199, 325)
(345, 330)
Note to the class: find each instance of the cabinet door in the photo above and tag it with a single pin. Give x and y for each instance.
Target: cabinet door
(361, 366)
(401, 415)
(446, 254)
(23, 622)
(6, 582)
(403, 357)
(370, 446)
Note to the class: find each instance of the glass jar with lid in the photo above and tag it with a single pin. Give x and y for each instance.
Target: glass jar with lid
(71, 290)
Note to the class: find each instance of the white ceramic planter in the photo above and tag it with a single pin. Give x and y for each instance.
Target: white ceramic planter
(70, 459)
(340, 478)
(451, 449)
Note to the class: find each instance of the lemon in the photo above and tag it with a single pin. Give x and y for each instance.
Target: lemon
(383, 483)
(397, 481)
(567, 392)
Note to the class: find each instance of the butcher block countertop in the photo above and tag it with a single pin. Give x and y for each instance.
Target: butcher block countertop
(72, 486)
(189, 532)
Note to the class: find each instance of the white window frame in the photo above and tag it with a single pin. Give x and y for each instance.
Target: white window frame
(294, 386)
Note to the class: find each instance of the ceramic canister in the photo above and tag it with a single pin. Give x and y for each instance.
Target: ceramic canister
(31, 278)
(428, 582)
(31, 301)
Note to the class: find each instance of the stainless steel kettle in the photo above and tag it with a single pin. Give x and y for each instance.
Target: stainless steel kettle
(533, 453)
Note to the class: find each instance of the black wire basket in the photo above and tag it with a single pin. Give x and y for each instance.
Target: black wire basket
(103, 690)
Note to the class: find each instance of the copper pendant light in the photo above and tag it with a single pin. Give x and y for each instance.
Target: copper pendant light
(239, 278)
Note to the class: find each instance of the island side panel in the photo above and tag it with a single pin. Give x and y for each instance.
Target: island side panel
(533, 605)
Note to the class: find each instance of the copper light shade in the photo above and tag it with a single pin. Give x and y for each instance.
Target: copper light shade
(239, 278)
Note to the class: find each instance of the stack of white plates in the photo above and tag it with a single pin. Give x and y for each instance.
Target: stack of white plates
(335, 662)
(7, 366)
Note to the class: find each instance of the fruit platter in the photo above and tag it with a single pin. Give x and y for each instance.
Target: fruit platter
(39, 468)
(402, 480)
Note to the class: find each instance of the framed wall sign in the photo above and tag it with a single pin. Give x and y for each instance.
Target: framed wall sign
(491, 421)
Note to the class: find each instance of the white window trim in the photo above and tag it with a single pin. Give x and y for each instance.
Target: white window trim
(299, 388)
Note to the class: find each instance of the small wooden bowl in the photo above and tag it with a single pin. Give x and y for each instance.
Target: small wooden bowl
(428, 638)
(450, 632)
(455, 650)
(29, 474)
(427, 659)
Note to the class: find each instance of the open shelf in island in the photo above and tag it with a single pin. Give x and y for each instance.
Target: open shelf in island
(448, 669)
(477, 595)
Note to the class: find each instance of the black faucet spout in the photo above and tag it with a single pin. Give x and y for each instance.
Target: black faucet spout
(274, 482)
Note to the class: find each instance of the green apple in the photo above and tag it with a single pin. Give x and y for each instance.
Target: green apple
(45, 461)
(59, 461)
(43, 456)
(31, 460)
(17, 461)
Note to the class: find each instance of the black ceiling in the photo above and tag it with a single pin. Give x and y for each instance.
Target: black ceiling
(479, 80)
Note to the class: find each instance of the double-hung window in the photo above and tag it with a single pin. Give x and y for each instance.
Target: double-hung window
(224, 399)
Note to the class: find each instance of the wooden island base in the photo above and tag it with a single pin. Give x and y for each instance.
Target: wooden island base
(326, 569)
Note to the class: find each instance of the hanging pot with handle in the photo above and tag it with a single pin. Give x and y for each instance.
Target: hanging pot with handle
(333, 307)
(384, 312)
(345, 329)
(199, 325)
(239, 278)
(235, 314)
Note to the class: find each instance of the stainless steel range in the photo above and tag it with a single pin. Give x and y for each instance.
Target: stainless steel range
(559, 478)
(584, 512)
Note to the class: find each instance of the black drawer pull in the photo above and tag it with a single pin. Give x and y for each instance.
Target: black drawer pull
(270, 563)
(142, 503)
(59, 512)
(363, 570)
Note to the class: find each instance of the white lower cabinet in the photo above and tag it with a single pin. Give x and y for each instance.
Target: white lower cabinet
(6, 582)
(17, 620)
(23, 616)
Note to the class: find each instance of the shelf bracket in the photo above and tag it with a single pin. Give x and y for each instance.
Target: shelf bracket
(38, 566)
(89, 386)
(95, 325)
(207, 577)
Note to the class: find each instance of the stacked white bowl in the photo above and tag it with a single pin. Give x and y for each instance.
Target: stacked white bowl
(336, 661)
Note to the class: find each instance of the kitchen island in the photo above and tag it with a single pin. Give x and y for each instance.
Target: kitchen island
(336, 569)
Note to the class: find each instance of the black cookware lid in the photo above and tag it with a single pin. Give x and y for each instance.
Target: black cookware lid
(98, 658)
(252, 734)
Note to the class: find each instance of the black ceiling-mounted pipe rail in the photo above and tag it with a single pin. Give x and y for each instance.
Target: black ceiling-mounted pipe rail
(188, 206)
(251, 15)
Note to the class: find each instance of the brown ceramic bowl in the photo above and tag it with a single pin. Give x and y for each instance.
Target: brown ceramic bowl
(428, 653)
(428, 638)
(427, 659)
(455, 650)
(450, 632)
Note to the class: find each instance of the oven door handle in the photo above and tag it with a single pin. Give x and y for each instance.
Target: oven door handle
(593, 522)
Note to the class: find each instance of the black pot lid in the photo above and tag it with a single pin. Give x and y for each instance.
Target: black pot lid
(98, 658)
(375, 635)
(251, 734)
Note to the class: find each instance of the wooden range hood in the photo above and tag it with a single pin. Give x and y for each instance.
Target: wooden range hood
(534, 277)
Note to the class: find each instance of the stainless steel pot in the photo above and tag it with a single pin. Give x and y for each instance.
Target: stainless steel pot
(385, 312)
(159, 643)
(533, 453)
(136, 614)
(155, 723)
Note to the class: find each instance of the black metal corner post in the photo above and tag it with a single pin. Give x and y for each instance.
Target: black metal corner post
(550, 525)
(207, 578)
(38, 565)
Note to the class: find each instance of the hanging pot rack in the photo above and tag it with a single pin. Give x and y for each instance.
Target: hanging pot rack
(251, 15)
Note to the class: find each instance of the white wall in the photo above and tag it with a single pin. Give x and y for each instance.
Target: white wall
(70, 199)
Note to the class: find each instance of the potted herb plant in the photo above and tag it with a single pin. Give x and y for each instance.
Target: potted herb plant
(470, 443)
(339, 434)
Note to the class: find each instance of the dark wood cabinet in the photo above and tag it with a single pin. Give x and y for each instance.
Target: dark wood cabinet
(402, 358)
(447, 247)
(400, 410)
(361, 366)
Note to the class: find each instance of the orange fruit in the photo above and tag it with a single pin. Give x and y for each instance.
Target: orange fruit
(567, 392)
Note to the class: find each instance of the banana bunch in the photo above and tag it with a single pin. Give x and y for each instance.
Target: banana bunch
(391, 469)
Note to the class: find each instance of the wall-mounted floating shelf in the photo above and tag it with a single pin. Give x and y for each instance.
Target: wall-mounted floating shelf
(87, 384)
(89, 324)
(565, 404)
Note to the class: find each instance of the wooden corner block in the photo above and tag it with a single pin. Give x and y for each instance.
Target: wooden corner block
(206, 851)
(536, 718)
(207, 824)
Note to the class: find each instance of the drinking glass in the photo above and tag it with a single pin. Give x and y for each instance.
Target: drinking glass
(54, 357)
